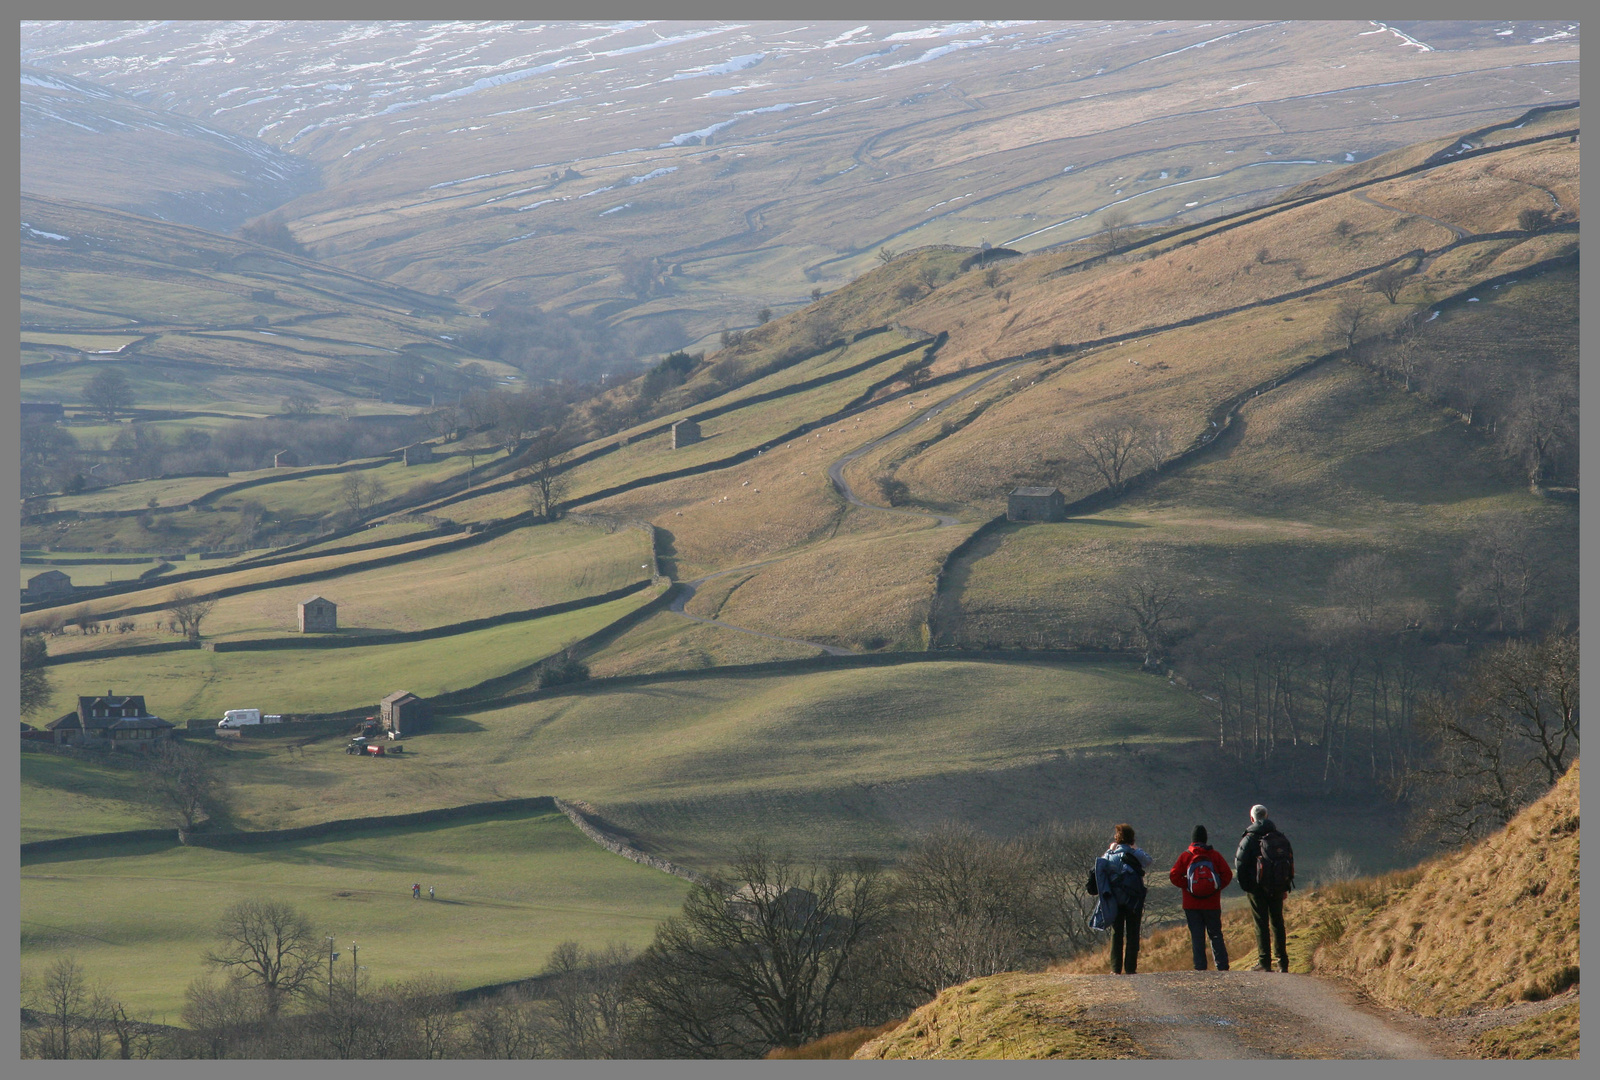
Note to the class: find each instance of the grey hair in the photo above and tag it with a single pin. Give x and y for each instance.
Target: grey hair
(1258, 812)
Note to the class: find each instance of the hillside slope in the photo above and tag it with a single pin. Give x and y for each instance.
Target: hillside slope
(1469, 934)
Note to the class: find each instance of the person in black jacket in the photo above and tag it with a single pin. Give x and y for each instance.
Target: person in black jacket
(1266, 905)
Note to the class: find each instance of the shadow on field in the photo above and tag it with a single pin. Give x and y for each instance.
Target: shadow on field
(1109, 523)
(448, 724)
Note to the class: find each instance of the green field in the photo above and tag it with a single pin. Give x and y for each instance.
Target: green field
(509, 889)
(188, 684)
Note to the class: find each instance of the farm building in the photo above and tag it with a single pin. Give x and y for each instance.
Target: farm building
(50, 583)
(285, 459)
(748, 902)
(47, 411)
(1036, 504)
(318, 616)
(404, 713)
(418, 453)
(119, 720)
(685, 433)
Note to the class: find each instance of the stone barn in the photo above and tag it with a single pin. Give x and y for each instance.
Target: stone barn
(1036, 504)
(685, 433)
(285, 459)
(404, 713)
(318, 615)
(418, 453)
(48, 584)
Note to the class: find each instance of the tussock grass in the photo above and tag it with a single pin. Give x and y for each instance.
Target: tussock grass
(1552, 1034)
(840, 1046)
(1011, 1016)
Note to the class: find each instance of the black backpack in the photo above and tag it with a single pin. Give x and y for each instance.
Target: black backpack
(1274, 864)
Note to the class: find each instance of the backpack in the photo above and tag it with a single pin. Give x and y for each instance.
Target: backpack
(1127, 884)
(1274, 864)
(1202, 878)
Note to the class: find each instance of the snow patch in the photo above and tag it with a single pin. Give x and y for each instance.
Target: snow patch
(727, 67)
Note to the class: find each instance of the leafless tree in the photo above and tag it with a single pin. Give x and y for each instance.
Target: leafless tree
(760, 957)
(189, 610)
(1348, 320)
(1116, 446)
(546, 452)
(1404, 349)
(816, 294)
(270, 946)
(821, 330)
(928, 278)
(108, 392)
(1499, 572)
(1541, 426)
(588, 1004)
(1151, 604)
(35, 688)
(886, 255)
(1113, 229)
(1533, 219)
(57, 997)
(361, 494)
(217, 1015)
(1367, 587)
(1503, 739)
(1389, 281)
(187, 780)
(764, 316)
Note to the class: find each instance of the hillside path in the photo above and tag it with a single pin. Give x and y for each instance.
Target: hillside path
(1362, 196)
(1211, 1015)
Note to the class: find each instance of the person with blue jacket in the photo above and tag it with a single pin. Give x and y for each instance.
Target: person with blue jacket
(1118, 880)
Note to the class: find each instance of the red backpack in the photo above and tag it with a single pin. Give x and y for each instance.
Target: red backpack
(1202, 878)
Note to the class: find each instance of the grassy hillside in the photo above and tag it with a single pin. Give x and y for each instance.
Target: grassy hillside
(201, 320)
(509, 888)
(1478, 929)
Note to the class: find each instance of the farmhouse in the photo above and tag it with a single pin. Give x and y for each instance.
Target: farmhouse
(318, 616)
(404, 713)
(285, 459)
(116, 720)
(48, 411)
(749, 900)
(50, 583)
(418, 453)
(685, 433)
(1036, 504)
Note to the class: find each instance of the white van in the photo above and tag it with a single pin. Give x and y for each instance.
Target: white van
(238, 718)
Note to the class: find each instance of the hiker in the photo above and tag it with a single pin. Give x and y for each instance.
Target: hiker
(1265, 865)
(416, 891)
(1202, 873)
(430, 892)
(1118, 880)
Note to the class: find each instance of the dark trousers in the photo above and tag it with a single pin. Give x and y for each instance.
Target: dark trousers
(1203, 924)
(1125, 941)
(1269, 909)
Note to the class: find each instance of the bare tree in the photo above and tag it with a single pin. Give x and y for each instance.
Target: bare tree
(1533, 219)
(1151, 605)
(35, 688)
(886, 255)
(816, 294)
(1541, 426)
(1348, 320)
(928, 278)
(1389, 281)
(1499, 572)
(759, 958)
(1115, 446)
(1113, 229)
(108, 391)
(57, 997)
(187, 780)
(764, 316)
(270, 946)
(189, 610)
(1405, 348)
(217, 1015)
(1502, 740)
(588, 1004)
(361, 494)
(547, 451)
(1367, 587)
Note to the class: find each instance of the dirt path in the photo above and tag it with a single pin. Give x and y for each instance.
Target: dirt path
(1362, 196)
(1210, 1015)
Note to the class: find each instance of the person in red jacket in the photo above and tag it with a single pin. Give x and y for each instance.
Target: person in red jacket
(1202, 873)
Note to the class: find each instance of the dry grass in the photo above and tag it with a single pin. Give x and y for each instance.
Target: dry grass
(840, 1046)
(668, 642)
(528, 568)
(1486, 195)
(1552, 1034)
(1487, 926)
(1010, 1017)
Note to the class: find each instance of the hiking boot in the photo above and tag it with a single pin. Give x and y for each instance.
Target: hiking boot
(1285, 967)
(1264, 965)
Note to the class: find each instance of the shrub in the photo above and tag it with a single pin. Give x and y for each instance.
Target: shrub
(562, 672)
